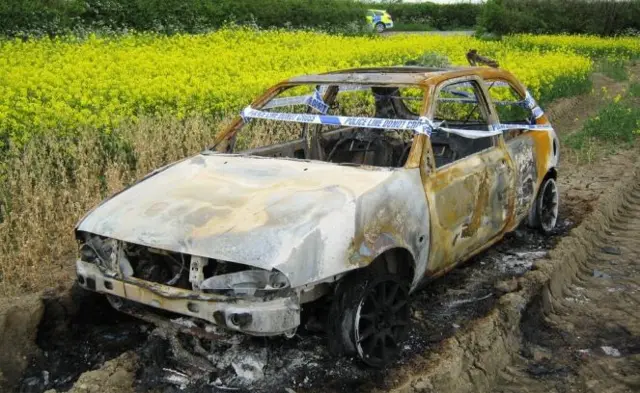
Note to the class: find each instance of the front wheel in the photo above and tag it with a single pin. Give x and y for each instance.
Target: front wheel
(380, 27)
(370, 316)
(544, 212)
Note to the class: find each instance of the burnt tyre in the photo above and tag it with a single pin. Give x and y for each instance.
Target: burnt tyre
(370, 317)
(380, 27)
(544, 212)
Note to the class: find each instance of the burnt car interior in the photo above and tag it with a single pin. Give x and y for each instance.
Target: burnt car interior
(459, 105)
(352, 145)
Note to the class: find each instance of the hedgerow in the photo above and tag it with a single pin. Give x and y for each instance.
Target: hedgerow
(439, 16)
(599, 17)
(26, 18)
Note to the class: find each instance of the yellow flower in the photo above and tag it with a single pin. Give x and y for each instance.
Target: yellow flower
(66, 83)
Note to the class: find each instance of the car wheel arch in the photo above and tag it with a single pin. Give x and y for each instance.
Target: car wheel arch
(393, 259)
(533, 220)
(392, 263)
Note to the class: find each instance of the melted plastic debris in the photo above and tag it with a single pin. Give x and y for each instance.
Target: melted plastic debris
(610, 351)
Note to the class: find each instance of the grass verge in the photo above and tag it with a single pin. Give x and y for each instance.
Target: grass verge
(617, 125)
(50, 183)
(615, 69)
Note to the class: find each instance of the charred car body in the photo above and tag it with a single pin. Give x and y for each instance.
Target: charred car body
(352, 186)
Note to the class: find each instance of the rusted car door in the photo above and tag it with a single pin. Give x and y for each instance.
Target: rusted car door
(532, 152)
(470, 194)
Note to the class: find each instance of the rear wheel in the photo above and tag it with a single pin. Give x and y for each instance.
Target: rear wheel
(544, 212)
(370, 316)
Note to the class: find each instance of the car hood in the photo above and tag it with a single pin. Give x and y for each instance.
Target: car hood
(264, 212)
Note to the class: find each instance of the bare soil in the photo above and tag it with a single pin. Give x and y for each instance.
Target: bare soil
(19, 320)
(586, 338)
(582, 183)
(467, 327)
(582, 334)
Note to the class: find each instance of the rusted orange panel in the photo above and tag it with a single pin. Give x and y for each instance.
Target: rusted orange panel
(470, 201)
(543, 148)
(416, 152)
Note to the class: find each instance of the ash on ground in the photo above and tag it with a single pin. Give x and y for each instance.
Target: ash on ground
(238, 363)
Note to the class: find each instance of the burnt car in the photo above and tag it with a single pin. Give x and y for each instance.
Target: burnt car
(348, 187)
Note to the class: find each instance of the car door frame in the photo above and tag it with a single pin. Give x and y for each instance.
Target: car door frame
(533, 152)
(445, 250)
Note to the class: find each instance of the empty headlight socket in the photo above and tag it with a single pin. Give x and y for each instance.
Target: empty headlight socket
(240, 319)
(218, 316)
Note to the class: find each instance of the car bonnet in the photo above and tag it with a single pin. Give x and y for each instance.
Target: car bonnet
(250, 210)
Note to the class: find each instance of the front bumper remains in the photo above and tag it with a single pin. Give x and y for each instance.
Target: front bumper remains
(253, 316)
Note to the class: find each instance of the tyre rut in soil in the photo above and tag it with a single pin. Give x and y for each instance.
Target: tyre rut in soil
(483, 358)
(584, 332)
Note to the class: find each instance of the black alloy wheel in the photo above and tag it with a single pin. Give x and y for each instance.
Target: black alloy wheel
(381, 321)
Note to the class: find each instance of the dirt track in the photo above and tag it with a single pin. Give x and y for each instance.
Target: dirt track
(483, 325)
(584, 335)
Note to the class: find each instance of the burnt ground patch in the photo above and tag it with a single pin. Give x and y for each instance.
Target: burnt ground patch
(78, 333)
(82, 331)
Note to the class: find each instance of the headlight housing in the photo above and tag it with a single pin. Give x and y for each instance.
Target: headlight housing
(101, 251)
(106, 253)
(247, 283)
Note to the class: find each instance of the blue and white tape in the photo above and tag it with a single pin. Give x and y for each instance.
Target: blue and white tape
(461, 93)
(531, 127)
(313, 100)
(497, 84)
(421, 126)
(532, 105)
(345, 88)
(316, 102)
(475, 101)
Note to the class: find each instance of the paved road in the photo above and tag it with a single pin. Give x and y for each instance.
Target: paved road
(446, 33)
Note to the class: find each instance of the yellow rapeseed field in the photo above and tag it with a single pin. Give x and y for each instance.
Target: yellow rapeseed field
(65, 84)
(592, 46)
(81, 119)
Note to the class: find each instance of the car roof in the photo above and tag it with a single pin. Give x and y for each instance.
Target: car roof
(400, 75)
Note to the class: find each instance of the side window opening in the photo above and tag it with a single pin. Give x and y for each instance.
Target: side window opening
(509, 106)
(459, 106)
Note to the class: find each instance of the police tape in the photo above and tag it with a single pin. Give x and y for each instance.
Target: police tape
(475, 101)
(313, 100)
(532, 105)
(497, 83)
(345, 88)
(529, 127)
(421, 126)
